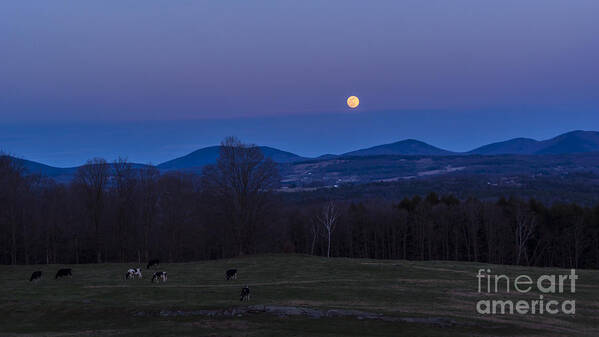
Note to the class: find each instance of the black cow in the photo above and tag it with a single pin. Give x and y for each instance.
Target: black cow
(63, 272)
(231, 274)
(153, 262)
(36, 276)
(159, 276)
(245, 293)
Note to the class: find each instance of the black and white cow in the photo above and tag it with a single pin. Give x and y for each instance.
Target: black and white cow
(245, 294)
(133, 273)
(153, 262)
(159, 276)
(63, 273)
(36, 276)
(231, 274)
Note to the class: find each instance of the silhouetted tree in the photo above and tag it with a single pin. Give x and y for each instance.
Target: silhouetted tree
(92, 179)
(124, 184)
(149, 196)
(241, 180)
(13, 191)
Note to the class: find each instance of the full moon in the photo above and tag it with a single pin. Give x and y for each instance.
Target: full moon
(353, 102)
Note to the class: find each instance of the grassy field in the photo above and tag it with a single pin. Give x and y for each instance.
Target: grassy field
(98, 302)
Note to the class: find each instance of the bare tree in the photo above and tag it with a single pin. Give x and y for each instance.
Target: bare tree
(176, 209)
(92, 179)
(123, 188)
(241, 179)
(328, 220)
(524, 228)
(54, 214)
(148, 183)
(13, 189)
(315, 231)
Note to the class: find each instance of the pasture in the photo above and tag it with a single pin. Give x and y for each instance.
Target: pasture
(355, 297)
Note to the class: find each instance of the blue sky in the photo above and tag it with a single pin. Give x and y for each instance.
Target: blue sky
(151, 80)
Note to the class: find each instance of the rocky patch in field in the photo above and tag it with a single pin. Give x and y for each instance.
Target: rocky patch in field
(284, 311)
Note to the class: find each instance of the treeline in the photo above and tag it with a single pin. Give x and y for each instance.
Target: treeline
(113, 212)
(508, 231)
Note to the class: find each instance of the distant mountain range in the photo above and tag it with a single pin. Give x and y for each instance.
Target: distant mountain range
(568, 143)
(571, 142)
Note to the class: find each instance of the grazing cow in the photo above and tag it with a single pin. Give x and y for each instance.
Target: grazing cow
(231, 274)
(153, 262)
(133, 273)
(36, 276)
(159, 276)
(63, 273)
(245, 293)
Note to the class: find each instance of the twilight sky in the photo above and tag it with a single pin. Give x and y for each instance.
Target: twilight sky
(152, 80)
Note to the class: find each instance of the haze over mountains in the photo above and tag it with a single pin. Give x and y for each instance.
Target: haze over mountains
(568, 143)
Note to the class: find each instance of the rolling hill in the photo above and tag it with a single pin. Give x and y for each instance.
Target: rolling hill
(567, 143)
(57, 173)
(571, 142)
(512, 146)
(208, 155)
(404, 147)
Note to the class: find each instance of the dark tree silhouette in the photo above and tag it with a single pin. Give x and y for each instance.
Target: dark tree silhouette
(241, 181)
(91, 181)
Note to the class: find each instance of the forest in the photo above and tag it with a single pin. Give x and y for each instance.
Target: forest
(115, 212)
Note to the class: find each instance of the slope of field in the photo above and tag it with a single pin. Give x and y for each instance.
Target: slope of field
(394, 298)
